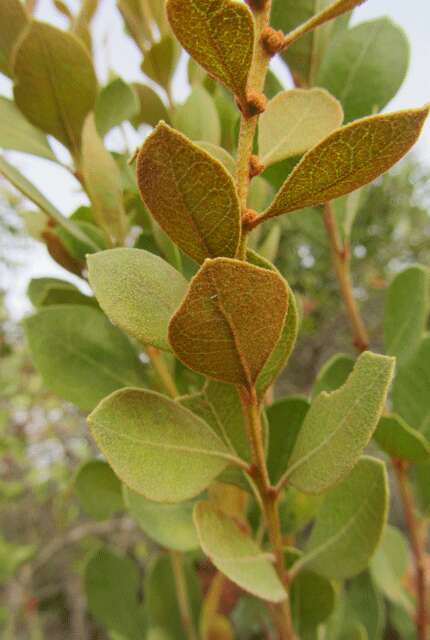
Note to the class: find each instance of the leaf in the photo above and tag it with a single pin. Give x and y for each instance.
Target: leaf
(268, 249)
(80, 355)
(333, 374)
(18, 134)
(138, 291)
(219, 35)
(160, 61)
(180, 183)
(420, 474)
(98, 490)
(44, 292)
(400, 441)
(312, 601)
(13, 20)
(236, 555)
(219, 154)
(103, 183)
(285, 418)
(152, 108)
(230, 321)
(157, 448)
(295, 121)
(406, 311)
(170, 525)
(198, 117)
(297, 510)
(389, 567)
(116, 102)
(349, 524)
(112, 590)
(365, 66)
(349, 158)
(411, 389)
(365, 605)
(55, 84)
(339, 425)
(95, 239)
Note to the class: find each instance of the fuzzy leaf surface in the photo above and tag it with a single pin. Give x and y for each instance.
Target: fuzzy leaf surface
(339, 425)
(158, 448)
(236, 554)
(98, 490)
(219, 35)
(230, 320)
(400, 441)
(333, 374)
(190, 194)
(349, 158)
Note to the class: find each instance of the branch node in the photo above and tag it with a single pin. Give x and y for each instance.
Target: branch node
(272, 41)
(255, 166)
(249, 216)
(257, 5)
(256, 103)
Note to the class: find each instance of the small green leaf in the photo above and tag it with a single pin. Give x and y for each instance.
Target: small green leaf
(116, 102)
(44, 292)
(236, 555)
(333, 374)
(219, 35)
(400, 441)
(198, 117)
(230, 320)
(152, 108)
(138, 291)
(349, 524)
(55, 83)
(157, 448)
(98, 490)
(295, 121)
(170, 525)
(365, 66)
(297, 510)
(180, 183)
(13, 20)
(365, 605)
(389, 567)
(349, 158)
(103, 182)
(160, 61)
(339, 425)
(312, 601)
(406, 312)
(80, 355)
(18, 134)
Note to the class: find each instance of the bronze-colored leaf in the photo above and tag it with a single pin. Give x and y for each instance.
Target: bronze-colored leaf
(190, 194)
(219, 35)
(349, 158)
(230, 320)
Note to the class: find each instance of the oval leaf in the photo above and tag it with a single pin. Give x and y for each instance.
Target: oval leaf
(219, 35)
(236, 555)
(230, 321)
(138, 291)
(116, 102)
(98, 490)
(13, 20)
(18, 134)
(190, 194)
(400, 441)
(157, 448)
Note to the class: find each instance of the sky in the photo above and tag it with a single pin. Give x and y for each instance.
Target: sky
(119, 54)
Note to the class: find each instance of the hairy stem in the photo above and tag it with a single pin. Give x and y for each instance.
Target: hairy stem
(341, 263)
(162, 370)
(182, 595)
(417, 546)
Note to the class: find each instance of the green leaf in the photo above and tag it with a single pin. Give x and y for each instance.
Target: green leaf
(297, 510)
(198, 117)
(295, 121)
(96, 239)
(13, 20)
(406, 312)
(339, 425)
(236, 555)
(411, 389)
(55, 84)
(152, 108)
(220, 154)
(349, 524)
(349, 158)
(160, 61)
(44, 292)
(180, 183)
(103, 183)
(98, 490)
(170, 525)
(80, 355)
(112, 586)
(365, 66)
(219, 35)
(18, 134)
(333, 374)
(285, 418)
(389, 567)
(157, 447)
(400, 441)
(116, 102)
(365, 605)
(312, 601)
(230, 321)
(138, 291)
(269, 247)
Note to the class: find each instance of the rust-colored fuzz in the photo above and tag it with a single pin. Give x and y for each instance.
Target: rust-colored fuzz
(272, 41)
(248, 218)
(255, 166)
(257, 5)
(256, 103)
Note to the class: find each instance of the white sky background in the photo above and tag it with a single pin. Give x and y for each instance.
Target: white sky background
(118, 52)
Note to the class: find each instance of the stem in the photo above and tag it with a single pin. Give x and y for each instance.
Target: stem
(182, 594)
(269, 500)
(341, 262)
(163, 372)
(417, 546)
